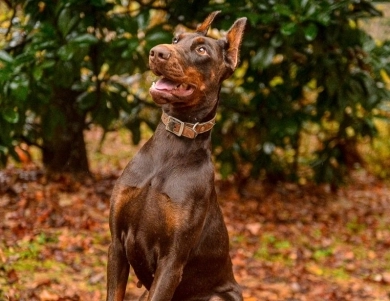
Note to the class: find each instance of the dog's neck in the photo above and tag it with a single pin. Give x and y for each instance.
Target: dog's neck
(191, 114)
(203, 119)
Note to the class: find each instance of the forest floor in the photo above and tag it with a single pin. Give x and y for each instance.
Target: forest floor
(288, 242)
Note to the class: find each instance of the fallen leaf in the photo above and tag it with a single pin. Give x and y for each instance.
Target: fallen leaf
(253, 228)
(96, 278)
(12, 276)
(386, 277)
(45, 295)
(314, 269)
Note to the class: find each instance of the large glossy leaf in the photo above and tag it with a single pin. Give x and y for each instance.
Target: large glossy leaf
(20, 89)
(37, 73)
(5, 57)
(67, 20)
(263, 58)
(157, 35)
(283, 9)
(86, 38)
(66, 52)
(311, 31)
(288, 29)
(10, 115)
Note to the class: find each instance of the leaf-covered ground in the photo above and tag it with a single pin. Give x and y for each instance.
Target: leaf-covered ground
(288, 242)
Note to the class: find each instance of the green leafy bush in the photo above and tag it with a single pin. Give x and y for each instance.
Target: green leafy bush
(310, 85)
(308, 90)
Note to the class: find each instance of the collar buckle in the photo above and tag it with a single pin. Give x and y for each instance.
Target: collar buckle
(171, 126)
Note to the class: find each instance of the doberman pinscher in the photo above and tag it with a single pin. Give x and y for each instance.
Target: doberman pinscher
(165, 220)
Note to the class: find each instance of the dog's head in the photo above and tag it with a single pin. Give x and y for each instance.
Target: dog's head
(192, 68)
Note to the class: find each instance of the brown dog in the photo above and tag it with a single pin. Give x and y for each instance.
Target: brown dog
(165, 220)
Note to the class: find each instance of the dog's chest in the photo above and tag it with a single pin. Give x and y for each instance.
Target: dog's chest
(170, 169)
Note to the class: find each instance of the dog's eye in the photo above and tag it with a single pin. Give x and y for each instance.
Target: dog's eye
(201, 50)
(175, 40)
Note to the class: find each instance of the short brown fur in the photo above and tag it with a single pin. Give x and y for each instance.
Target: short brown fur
(165, 220)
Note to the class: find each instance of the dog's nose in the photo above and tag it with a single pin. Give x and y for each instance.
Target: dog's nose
(160, 52)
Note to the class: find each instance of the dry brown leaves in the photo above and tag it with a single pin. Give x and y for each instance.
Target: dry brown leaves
(288, 242)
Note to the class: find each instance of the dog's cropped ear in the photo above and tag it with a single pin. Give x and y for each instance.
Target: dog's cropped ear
(204, 27)
(233, 39)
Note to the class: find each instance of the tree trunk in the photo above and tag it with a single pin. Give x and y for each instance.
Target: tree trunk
(63, 146)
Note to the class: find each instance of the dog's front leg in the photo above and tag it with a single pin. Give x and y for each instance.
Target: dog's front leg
(117, 271)
(166, 279)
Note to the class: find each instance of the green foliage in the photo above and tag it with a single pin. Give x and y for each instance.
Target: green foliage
(309, 72)
(66, 64)
(310, 84)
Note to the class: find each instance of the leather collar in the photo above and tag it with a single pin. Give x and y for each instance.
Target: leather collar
(189, 130)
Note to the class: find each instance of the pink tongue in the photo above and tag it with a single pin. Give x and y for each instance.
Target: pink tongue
(165, 84)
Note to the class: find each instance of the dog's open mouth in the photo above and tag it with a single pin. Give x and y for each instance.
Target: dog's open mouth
(167, 85)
